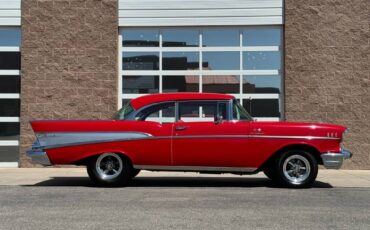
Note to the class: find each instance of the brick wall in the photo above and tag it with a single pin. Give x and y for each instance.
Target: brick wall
(327, 68)
(69, 62)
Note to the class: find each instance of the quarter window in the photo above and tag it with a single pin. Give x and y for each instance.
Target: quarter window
(164, 110)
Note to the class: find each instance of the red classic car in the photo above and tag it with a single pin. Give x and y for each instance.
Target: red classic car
(198, 132)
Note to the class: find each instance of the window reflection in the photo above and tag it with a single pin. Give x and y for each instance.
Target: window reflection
(125, 101)
(143, 37)
(260, 60)
(9, 84)
(140, 61)
(261, 84)
(221, 84)
(221, 60)
(10, 37)
(262, 37)
(220, 37)
(180, 61)
(140, 84)
(9, 107)
(9, 153)
(9, 130)
(262, 107)
(188, 83)
(180, 38)
(10, 60)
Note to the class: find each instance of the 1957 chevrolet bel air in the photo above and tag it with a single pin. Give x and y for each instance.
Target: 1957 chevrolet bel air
(189, 132)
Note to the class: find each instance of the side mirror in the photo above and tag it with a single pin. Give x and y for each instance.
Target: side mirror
(218, 119)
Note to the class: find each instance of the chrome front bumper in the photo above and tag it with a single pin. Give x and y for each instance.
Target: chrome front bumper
(335, 160)
(38, 156)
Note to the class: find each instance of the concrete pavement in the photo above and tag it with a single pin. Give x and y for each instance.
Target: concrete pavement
(65, 176)
(64, 198)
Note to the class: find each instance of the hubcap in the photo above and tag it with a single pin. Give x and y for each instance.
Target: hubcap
(296, 169)
(109, 166)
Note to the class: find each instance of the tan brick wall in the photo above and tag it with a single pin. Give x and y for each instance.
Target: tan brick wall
(327, 68)
(69, 62)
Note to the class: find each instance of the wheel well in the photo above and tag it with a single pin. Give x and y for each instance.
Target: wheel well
(85, 161)
(308, 148)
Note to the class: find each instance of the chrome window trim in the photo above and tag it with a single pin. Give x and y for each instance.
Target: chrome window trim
(177, 107)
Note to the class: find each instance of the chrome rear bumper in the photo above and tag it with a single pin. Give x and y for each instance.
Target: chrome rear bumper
(335, 160)
(38, 156)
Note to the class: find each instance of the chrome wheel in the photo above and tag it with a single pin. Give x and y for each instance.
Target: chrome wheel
(109, 166)
(296, 169)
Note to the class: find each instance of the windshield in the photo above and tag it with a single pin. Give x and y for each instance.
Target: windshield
(239, 113)
(124, 112)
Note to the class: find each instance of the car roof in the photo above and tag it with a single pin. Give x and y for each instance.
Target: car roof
(142, 101)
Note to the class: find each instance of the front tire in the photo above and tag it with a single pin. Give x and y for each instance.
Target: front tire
(296, 169)
(110, 170)
(271, 173)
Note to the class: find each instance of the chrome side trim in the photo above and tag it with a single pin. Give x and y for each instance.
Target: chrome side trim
(295, 137)
(195, 168)
(254, 136)
(62, 139)
(335, 160)
(39, 157)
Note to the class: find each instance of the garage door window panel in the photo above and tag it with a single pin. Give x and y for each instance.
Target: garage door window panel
(140, 38)
(180, 61)
(180, 38)
(140, 61)
(221, 61)
(140, 84)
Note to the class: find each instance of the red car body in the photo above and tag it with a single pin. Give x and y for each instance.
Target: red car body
(228, 145)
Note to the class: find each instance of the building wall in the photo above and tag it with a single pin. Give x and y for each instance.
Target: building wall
(69, 62)
(327, 68)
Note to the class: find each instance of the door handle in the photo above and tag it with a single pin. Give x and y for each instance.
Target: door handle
(181, 127)
(257, 131)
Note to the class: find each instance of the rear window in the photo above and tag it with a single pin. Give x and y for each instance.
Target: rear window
(124, 112)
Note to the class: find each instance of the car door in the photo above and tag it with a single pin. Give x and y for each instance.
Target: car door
(157, 120)
(200, 141)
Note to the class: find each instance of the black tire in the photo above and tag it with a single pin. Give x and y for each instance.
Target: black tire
(271, 173)
(135, 172)
(290, 169)
(121, 178)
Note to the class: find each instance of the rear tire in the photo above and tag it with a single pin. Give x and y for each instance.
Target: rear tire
(135, 172)
(296, 169)
(110, 170)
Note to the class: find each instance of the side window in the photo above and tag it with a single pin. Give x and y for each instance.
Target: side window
(202, 111)
(222, 110)
(164, 113)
